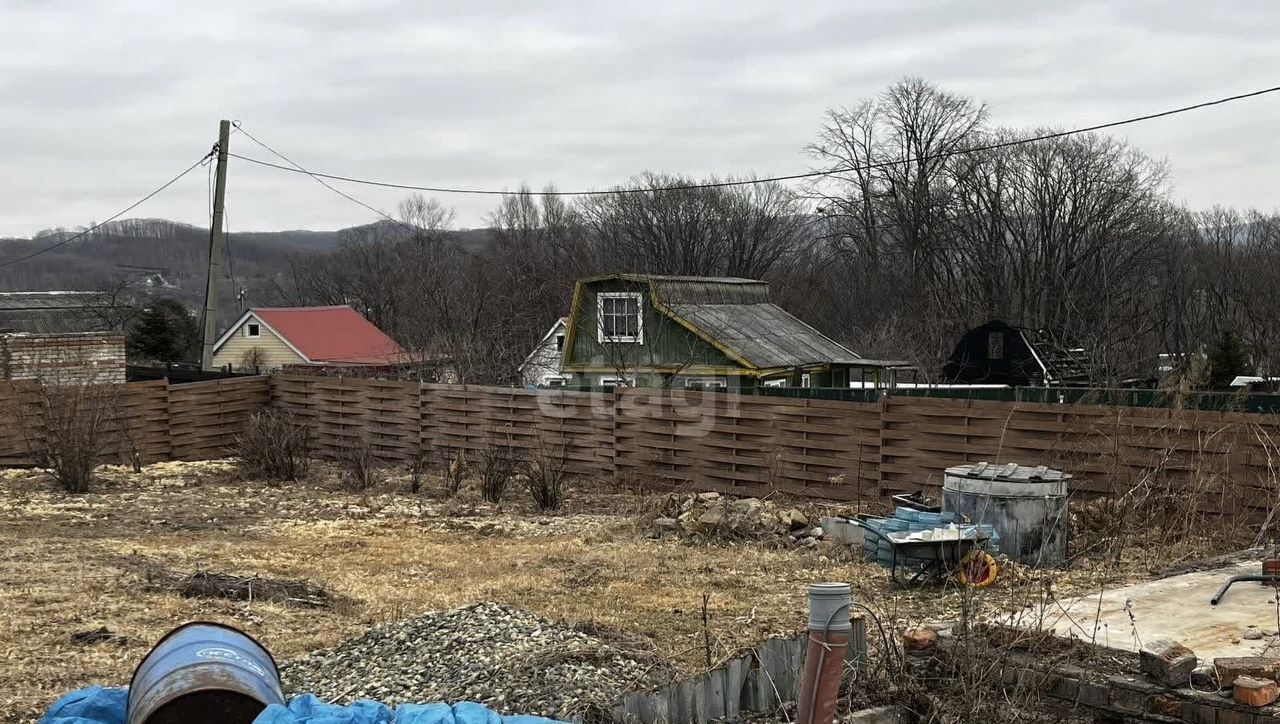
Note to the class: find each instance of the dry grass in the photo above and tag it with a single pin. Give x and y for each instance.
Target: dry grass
(63, 569)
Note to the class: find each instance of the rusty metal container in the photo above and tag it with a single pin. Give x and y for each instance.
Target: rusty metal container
(204, 673)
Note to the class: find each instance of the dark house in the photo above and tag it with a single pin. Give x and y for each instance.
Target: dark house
(999, 353)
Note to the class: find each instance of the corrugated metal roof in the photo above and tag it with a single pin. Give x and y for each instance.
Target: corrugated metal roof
(53, 312)
(711, 290)
(765, 334)
(331, 334)
(51, 300)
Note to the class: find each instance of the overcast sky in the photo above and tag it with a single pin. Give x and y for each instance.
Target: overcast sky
(100, 102)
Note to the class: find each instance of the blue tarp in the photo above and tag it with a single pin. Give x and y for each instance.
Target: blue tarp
(98, 705)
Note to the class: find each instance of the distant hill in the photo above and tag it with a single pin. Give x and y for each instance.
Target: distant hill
(169, 258)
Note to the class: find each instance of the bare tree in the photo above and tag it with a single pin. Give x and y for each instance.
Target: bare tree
(889, 200)
(743, 231)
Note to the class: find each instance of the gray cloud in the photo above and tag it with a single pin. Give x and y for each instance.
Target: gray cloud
(105, 100)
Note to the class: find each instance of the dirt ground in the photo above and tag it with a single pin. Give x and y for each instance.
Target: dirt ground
(65, 568)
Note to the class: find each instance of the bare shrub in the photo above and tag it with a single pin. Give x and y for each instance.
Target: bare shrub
(497, 465)
(417, 469)
(253, 360)
(275, 445)
(454, 463)
(545, 473)
(361, 469)
(1184, 493)
(77, 426)
(130, 445)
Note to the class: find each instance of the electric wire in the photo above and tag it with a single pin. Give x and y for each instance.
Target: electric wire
(770, 179)
(298, 168)
(113, 217)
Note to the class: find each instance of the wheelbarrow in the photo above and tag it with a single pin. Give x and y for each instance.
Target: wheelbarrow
(918, 561)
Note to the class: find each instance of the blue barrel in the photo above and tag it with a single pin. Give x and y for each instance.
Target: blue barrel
(204, 673)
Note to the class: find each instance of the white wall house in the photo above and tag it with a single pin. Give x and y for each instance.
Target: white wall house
(542, 366)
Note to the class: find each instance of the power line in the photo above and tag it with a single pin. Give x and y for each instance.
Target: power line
(298, 168)
(112, 218)
(746, 182)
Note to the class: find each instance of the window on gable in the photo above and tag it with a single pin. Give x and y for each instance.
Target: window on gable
(619, 317)
(252, 330)
(559, 342)
(995, 345)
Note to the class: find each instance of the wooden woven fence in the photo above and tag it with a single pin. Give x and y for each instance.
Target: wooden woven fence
(153, 420)
(833, 450)
(739, 444)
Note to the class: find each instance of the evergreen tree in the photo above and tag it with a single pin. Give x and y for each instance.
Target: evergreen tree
(1227, 360)
(164, 332)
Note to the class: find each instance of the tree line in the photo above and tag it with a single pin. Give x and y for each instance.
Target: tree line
(928, 220)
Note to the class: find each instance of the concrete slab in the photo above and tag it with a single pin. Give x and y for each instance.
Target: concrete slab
(1172, 608)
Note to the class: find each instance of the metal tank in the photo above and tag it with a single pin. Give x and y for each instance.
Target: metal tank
(1026, 505)
(204, 673)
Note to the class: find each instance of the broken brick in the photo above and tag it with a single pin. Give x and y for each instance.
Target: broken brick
(919, 640)
(1167, 662)
(1258, 667)
(1255, 692)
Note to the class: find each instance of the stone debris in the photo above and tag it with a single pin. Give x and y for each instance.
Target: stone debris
(1167, 662)
(919, 640)
(1255, 692)
(1257, 667)
(711, 516)
(1205, 676)
(507, 659)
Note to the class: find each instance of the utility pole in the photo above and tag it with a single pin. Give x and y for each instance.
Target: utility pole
(217, 248)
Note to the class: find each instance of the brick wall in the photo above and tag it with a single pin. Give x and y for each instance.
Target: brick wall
(96, 357)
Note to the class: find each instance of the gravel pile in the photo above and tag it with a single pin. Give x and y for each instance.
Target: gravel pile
(507, 659)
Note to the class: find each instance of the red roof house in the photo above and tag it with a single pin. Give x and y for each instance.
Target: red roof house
(266, 338)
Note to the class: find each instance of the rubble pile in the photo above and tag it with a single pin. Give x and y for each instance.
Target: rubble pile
(711, 516)
(504, 658)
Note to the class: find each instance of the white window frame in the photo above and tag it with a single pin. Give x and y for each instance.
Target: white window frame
(706, 383)
(253, 329)
(559, 341)
(775, 383)
(616, 382)
(600, 335)
(806, 380)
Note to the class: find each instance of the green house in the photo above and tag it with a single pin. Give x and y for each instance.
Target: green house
(639, 330)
